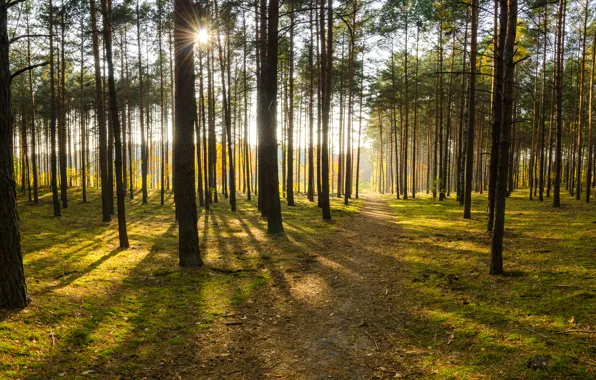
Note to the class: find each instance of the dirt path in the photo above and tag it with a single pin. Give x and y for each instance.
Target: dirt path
(331, 314)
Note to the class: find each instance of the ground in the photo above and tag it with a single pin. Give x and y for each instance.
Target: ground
(388, 289)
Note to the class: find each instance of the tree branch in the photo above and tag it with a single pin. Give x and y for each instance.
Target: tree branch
(24, 69)
(15, 39)
(13, 3)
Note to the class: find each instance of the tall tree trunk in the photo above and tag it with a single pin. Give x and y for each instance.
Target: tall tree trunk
(581, 109)
(290, 161)
(559, 102)
(589, 167)
(496, 265)
(120, 191)
(162, 108)
(54, 180)
(268, 118)
(351, 55)
(471, 113)
(33, 116)
(184, 180)
(326, 87)
(311, 116)
(415, 134)
(101, 118)
(247, 171)
(62, 116)
(82, 95)
(13, 289)
(227, 121)
(405, 136)
(360, 125)
(497, 107)
(144, 154)
(543, 108)
(461, 150)
(203, 123)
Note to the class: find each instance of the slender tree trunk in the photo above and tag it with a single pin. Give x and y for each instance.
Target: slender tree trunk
(144, 154)
(162, 108)
(496, 266)
(62, 116)
(54, 168)
(589, 167)
(415, 134)
(359, 126)
(33, 116)
(290, 161)
(204, 125)
(228, 124)
(83, 131)
(326, 79)
(559, 102)
(184, 180)
(247, 176)
(351, 58)
(497, 107)
(581, 105)
(120, 191)
(101, 118)
(471, 113)
(461, 149)
(543, 109)
(311, 116)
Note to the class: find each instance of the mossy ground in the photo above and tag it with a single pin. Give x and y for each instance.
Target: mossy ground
(97, 309)
(545, 304)
(410, 287)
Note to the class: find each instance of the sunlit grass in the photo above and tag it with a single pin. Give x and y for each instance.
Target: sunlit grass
(99, 311)
(494, 325)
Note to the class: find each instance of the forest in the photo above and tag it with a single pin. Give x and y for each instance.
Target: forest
(297, 189)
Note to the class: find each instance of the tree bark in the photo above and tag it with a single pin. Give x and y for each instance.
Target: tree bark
(120, 191)
(496, 265)
(13, 289)
(471, 113)
(101, 118)
(184, 180)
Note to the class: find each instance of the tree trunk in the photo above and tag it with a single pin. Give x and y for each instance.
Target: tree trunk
(581, 105)
(144, 154)
(184, 180)
(326, 87)
(13, 289)
(590, 125)
(496, 265)
(120, 191)
(54, 180)
(228, 122)
(33, 129)
(471, 113)
(559, 101)
(311, 116)
(62, 116)
(101, 118)
(290, 162)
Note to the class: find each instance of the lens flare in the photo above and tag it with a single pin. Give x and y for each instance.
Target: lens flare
(202, 36)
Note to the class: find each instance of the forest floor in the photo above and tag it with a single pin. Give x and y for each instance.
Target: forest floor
(388, 289)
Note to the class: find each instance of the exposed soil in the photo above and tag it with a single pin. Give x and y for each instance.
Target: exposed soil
(331, 313)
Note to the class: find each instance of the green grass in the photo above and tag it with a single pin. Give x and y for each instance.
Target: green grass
(499, 323)
(101, 311)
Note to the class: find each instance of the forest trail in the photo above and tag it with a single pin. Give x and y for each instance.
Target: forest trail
(330, 314)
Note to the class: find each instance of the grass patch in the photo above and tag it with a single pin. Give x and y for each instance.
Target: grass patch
(98, 311)
(500, 322)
